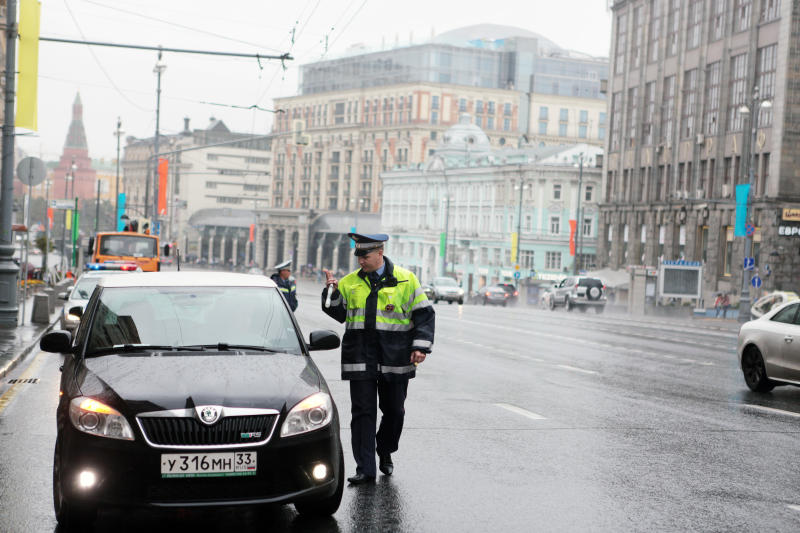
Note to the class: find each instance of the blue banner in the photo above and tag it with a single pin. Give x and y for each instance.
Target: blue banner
(742, 197)
(121, 211)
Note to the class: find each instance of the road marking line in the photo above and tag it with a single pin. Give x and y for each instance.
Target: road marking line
(576, 369)
(6, 398)
(520, 411)
(793, 507)
(770, 410)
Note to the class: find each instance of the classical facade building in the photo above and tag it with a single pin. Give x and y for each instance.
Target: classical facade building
(456, 215)
(702, 94)
(370, 112)
(217, 183)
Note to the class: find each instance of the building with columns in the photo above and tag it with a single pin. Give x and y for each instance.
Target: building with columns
(456, 215)
(702, 95)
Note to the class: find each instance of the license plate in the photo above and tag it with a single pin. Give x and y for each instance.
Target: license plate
(208, 464)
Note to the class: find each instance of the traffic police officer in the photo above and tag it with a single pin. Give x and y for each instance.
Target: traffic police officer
(389, 325)
(285, 283)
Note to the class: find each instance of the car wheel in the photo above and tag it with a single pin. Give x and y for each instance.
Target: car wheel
(755, 374)
(484, 301)
(461, 301)
(450, 302)
(68, 515)
(552, 303)
(568, 304)
(436, 300)
(326, 506)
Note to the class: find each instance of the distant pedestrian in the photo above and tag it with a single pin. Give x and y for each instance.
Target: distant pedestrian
(717, 305)
(286, 283)
(726, 303)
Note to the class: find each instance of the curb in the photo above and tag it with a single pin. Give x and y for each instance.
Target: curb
(26, 350)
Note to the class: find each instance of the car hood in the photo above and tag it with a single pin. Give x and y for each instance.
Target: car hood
(146, 382)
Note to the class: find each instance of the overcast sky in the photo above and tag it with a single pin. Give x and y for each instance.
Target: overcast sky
(118, 82)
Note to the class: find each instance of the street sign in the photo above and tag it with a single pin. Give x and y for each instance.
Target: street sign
(749, 229)
(516, 274)
(62, 204)
(767, 270)
(756, 282)
(31, 171)
(749, 263)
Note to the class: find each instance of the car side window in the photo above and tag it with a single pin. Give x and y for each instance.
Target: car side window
(787, 315)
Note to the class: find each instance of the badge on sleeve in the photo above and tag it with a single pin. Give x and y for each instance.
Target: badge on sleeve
(389, 307)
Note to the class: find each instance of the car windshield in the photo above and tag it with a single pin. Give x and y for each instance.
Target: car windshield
(128, 245)
(192, 316)
(445, 282)
(83, 289)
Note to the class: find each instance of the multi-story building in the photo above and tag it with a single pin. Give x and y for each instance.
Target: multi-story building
(217, 182)
(456, 215)
(367, 113)
(702, 94)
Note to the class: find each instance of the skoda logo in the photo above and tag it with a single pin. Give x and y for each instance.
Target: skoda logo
(209, 414)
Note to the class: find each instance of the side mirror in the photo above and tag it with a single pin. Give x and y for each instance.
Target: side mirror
(77, 311)
(63, 295)
(90, 248)
(58, 341)
(323, 339)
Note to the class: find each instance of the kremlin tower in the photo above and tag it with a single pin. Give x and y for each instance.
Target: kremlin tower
(76, 152)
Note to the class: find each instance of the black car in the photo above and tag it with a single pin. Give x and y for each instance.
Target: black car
(192, 389)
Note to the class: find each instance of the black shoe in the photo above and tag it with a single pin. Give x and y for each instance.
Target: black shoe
(386, 466)
(360, 479)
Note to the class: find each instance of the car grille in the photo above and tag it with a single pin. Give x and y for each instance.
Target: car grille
(180, 431)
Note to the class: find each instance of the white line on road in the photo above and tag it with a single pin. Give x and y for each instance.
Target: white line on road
(520, 411)
(576, 369)
(793, 507)
(770, 410)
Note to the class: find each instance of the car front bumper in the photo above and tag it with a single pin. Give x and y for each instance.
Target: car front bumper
(128, 473)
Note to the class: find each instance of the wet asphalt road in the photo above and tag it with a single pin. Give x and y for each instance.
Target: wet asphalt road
(521, 420)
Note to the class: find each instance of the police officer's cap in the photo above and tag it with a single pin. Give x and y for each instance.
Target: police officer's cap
(283, 266)
(368, 243)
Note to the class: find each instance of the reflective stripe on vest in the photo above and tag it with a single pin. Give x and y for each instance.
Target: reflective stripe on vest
(405, 369)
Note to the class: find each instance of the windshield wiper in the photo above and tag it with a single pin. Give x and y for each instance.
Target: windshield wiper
(125, 348)
(224, 347)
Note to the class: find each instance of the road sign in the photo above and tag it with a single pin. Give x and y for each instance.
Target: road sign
(767, 270)
(749, 229)
(62, 204)
(749, 263)
(516, 274)
(31, 171)
(756, 282)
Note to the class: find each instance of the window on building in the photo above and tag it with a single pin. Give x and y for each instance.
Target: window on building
(601, 125)
(770, 9)
(507, 109)
(434, 117)
(555, 225)
(728, 251)
(654, 31)
(479, 121)
(689, 103)
(587, 227)
(673, 25)
(717, 23)
(648, 113)
(542, 127)
(211, 185)
(622, 37)
(491, 108)
(742, 10)
(582, 131)
(711, 120)
(543, 112)
(552, 260)
(563, 115)
(616, 120)
(633, 115)
(638, 36)
(583, 116)
(588, 193)
(526, 259)
(562, 130)
(765, 81)
(435, 102)
(462, 105)
(738, 94)
(556, 191)
(695, 24)
(668, 111)
(489, 123)
(479, 106)
(506, 124)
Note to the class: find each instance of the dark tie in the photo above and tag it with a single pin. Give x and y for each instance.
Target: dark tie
(373, 278)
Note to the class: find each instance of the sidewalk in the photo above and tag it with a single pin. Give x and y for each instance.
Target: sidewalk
(16, 343)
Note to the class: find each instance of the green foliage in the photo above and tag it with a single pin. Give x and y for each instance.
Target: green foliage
(40, 243)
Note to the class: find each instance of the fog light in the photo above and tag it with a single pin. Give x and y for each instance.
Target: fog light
(320, 472)
(86, 479)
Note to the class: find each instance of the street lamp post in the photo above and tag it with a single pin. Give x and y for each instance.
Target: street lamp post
(118, 133)
(97, 207)
(521, 187)
(158, 70)
(754, 110)
(578, 222)
(47, 184)
(68, 178)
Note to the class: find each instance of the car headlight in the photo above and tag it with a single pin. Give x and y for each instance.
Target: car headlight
(96, 418)
(461, 292)
(313, 413)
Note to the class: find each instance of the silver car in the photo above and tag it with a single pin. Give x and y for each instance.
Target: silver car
(78, 295)
(769, 348)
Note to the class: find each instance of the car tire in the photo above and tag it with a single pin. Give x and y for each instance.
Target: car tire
(568, 304)
(461, 301)
(594, 293)
(436, 300)
(504, 304)
(484, 301)
(552, 303)
(326, 506)
(70, 516)
(754, 371)
(450, 302)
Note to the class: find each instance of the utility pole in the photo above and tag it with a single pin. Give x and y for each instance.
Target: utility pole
(97, 208)
(46, 225)
(579, 222)
(158, 70)
(8, 270)
(519, 214)
(118, 133)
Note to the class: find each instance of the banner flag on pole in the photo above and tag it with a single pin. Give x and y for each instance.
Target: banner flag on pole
(442, 243)
(573, 224)
(252, 232)
(69, 219)
(742, 196)
(50, 217)
(163, 166)
(120, 211)
(28, 65)
(514, 246)
(76, 225)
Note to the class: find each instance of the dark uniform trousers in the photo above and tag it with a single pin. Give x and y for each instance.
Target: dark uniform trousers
(364, 413)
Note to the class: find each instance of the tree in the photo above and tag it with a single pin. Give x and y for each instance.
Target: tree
(40, 243)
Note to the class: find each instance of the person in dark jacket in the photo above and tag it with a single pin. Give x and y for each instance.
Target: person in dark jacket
(285, 282)
(389, 325)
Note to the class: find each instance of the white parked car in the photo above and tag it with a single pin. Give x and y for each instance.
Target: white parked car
(769, 301)
(769, 348)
